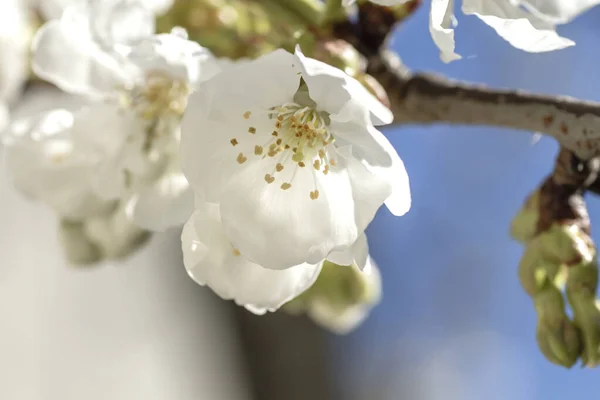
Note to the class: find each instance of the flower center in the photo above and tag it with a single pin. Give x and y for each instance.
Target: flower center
(159, 103)
(300, 138)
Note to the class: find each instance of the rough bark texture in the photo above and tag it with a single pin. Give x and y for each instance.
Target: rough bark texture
(428, 98)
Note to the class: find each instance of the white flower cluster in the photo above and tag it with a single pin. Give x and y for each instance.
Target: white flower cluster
(274, 165)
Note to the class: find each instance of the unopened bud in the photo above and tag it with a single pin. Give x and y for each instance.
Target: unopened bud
(374, 87)
(109, 236)
(341, 298)
(340, 54)
(78, 249)
(567, 244)
(524, 225)
(115, 234)
(556, 335)
(581, 293)
(535, 271)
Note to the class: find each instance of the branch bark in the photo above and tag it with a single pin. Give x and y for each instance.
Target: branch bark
(428, 99)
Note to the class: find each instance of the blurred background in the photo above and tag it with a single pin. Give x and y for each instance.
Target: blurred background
(453, 323)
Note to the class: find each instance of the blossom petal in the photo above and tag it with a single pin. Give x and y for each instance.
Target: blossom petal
(159, 7)
(173, 53)
(114, 22)
(378, 155)
(44, 165)
(440, 28)
(14, 48)
(358, 254)
(332, 89)
(558, 11)
(281, 228)
(225, 108)
(211, 146)
(71, 60)
(522, 30)
(167, 203)
(211, 260)
(114, 138)
(399, 201)
(267, 81)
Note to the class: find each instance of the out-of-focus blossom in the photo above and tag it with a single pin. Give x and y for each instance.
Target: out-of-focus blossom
(14, 52)
(140, 82)
(53, 9)
(342, 296)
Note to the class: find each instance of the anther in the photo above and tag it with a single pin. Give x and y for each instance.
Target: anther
(241, 158)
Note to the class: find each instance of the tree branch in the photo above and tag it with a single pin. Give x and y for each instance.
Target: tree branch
(428, 99)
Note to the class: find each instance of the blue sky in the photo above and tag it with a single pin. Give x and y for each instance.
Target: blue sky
(454, 322)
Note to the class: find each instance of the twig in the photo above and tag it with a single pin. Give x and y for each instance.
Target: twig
(427, 99)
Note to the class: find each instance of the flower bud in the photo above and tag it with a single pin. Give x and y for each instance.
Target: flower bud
(338, 53)
(79, 250)
(556, 335)
(374, 87)
(535, 271)
(108, 236)
(581, 293)
(115, 234)
(567, 244)
(341, 298)
(524, 225)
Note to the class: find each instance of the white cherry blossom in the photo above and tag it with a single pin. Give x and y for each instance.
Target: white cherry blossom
(140, 83)
(285, 145)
